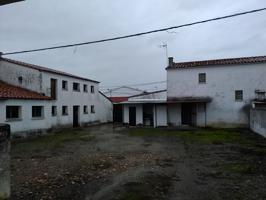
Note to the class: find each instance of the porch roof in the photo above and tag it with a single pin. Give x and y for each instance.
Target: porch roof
(189, 99)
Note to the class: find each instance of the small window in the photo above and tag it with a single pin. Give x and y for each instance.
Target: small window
(64, 110)
(202, 77)
(239, 95)
(54, 111)
(85, 88)
(76, 87)
(64, 85)
(37, 111)
(92, 109)
(92, 89)
(13, 112)
(20, 80)
(85, 109)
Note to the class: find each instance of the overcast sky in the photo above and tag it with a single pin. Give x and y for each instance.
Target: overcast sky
(41, 23)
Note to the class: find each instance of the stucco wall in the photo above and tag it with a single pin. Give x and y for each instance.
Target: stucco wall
(222, 81)
(31, 78)
(258, 121)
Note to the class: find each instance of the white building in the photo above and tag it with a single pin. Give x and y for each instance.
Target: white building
(213, 93)
(35, 98)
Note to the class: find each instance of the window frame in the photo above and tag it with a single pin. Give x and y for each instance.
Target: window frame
(78, 87)
(65, 83)
(200, 76)
(37, 117)
(18, 114)
(85, 110)
(92, 89)
(241, 94)
(85, 88)
(92, 109)
(65, 108)
(54, 112)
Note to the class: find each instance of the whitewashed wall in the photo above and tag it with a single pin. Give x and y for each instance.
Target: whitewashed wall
(40, 82)
(160, 115)
(222, 81)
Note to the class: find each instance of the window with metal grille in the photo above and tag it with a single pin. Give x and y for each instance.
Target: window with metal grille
(13, 112)
(202, 77)
(239, 95)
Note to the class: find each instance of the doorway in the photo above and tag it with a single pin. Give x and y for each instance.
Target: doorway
(75, 116)
(188, 114)
(53, 88)
(118, 113)
(132, 116)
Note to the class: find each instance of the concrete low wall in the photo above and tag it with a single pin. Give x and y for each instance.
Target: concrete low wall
(4, 161)
(258, 121)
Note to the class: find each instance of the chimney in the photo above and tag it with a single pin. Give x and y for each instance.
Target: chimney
(170, 62)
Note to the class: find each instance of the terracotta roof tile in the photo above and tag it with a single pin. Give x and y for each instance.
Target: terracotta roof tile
(45, 69)
(8, 91)
(230, 61)
(118, 99)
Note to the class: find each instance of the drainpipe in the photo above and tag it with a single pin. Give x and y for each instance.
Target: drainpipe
(4, 161)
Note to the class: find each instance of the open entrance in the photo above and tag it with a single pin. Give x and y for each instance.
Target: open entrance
(148, 115)
(188, 114)
(132, 116)
(75, 116)
(118, 113)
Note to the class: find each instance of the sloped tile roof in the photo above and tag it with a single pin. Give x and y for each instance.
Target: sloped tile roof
(230, 61)
(8, 91)
(118, 99)
(45, 69)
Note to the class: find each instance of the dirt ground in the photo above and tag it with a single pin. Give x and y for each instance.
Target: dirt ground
(102, 163)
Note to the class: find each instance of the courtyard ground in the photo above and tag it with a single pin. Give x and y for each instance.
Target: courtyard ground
(102, 163)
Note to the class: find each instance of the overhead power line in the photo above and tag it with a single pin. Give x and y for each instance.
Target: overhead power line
(136, 34)
(139, 84)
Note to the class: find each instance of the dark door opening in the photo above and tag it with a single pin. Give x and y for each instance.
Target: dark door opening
(188, 114)
(132, 116)
(118, 113)
(75, 116)
(148, 115)
(53, 88)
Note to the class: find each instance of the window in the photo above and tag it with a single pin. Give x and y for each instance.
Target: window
(64, 85)
(92, 89)
(37, 111)
(20, 79)
(85, 88)
(92, 109)
(54, 111)
(64, 110)
(202, 77)
(76, 87)
(239, 95)
(85, 109)
(13, 112)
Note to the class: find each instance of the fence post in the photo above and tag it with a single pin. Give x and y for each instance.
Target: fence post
(5, 190)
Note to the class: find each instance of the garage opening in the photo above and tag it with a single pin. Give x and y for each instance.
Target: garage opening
(148, 115)
(188, 114)
(132, 116)
(118, 113)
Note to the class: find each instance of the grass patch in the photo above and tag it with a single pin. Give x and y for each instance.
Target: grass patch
(133, 196)
(238, 168)
(206, 136)
(50, 141)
